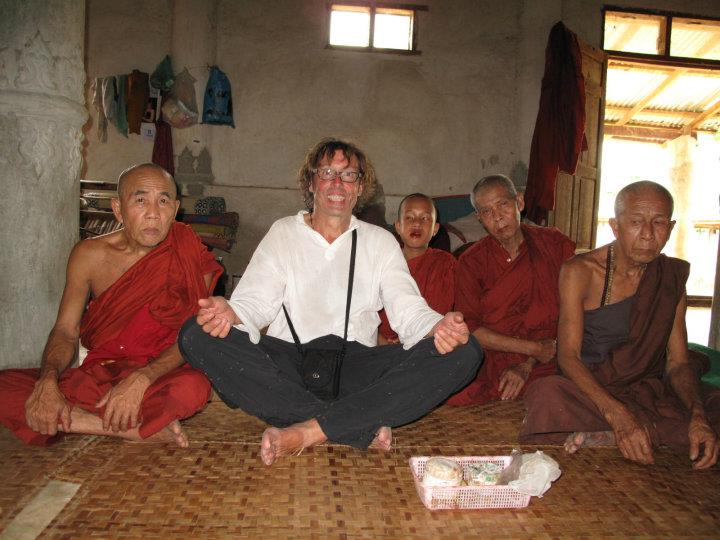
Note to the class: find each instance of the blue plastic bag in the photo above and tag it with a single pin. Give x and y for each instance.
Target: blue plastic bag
(217, 106)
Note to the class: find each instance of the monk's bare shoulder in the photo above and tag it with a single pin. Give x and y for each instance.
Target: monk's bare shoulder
(100, 260)
(585, 272)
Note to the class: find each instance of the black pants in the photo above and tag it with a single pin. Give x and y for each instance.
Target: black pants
(379, 386)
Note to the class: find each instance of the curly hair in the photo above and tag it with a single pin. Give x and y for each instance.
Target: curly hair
(326, 149)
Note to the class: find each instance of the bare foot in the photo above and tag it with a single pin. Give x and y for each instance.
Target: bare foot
(278, 442)
(87, 423)
(383, 439)
(577, 440)
(172, 433)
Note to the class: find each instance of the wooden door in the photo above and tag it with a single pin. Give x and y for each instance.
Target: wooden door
(577, 196)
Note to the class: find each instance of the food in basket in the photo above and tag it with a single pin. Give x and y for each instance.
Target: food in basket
(484, 473)
(442, 472)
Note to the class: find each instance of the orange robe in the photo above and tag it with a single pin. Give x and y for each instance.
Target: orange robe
(127, 326)
(514, 298)
(434, 273)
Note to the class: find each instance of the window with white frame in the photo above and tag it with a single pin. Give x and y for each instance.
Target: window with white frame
(373, 27)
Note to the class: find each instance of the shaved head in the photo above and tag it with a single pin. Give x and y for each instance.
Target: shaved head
(640, 188)
(418, 196)
(143, 167)
(494, 180)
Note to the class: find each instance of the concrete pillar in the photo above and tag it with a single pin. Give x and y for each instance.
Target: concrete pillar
(681, 176)
(42, 110)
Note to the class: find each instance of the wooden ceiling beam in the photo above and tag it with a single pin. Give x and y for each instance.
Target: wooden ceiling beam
(642, 132)
(707, 113)
(654, 112)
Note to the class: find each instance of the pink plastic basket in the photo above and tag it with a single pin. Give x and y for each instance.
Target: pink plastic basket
(466, 497)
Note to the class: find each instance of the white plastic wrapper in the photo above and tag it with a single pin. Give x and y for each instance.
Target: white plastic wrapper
(537, 472)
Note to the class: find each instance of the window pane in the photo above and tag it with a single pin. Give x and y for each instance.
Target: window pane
(350, 26)
(695, 38)
(393, 29)
(634, 32)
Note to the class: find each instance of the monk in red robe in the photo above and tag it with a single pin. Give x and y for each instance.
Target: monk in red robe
(507, 291)
(432, 269)
(628, 379)
(145, 281)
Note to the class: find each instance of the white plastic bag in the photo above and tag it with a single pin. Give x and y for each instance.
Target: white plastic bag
(537, 472)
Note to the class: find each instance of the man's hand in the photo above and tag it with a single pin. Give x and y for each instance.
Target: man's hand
(632, 439)
(546, 350)
(46, 407)
(450, 332)
(513, 379)
(216, 316)
(701, 434)
(122, 402)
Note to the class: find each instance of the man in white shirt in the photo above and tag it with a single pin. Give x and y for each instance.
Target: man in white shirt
(303, 264)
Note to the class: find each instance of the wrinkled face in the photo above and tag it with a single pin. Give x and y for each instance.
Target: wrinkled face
(643, 227)
(146, 207)
(416, 225)
(335, 198)
(499, 212)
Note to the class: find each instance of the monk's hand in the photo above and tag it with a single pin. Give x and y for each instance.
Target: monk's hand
(216, 316)
(122, 402)
(450, 332)
(546, 350)
(513, 379)
(702, 435)
(632, 438)
(46, 408)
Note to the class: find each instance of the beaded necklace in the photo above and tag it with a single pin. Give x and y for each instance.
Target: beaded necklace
(609, 271)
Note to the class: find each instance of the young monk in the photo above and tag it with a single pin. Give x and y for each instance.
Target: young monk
(432, 269)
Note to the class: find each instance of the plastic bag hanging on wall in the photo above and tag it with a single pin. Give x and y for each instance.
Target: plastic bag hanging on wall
(180, 109)
(217, 106)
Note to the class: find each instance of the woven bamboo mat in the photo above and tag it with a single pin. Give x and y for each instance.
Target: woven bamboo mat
(218, 488)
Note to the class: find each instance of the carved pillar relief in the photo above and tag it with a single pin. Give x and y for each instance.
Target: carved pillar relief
(41, 116)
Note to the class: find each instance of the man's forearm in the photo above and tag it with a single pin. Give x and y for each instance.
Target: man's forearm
(59, 353)
(684, 382)
(168, 360)
(495, 341)
(576, 371)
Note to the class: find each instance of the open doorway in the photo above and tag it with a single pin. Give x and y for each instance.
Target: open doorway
(662, 123)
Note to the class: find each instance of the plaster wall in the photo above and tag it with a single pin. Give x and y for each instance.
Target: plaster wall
(434, 122)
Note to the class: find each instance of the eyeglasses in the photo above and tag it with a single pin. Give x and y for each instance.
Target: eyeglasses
(328, 173)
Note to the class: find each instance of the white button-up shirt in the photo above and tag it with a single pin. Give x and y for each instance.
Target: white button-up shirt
(294, 265)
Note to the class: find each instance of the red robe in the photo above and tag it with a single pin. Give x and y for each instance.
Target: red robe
(518, 298)
(127, 326)
(434, 273)
(559, 135)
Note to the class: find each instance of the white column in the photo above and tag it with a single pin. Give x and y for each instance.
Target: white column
(42, 112)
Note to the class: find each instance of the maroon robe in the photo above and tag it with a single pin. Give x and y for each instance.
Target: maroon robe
(127, 326)
(633, 373)
(434, 273)
(514, 298)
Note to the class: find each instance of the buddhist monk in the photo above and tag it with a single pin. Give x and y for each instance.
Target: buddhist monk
(432, 269)
(627, 378)
(506, 286)
(143, 280)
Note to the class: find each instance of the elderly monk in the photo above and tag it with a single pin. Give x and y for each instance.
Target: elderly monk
(507, 290)
(623, 348)
(432, 269)
(144, 281)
